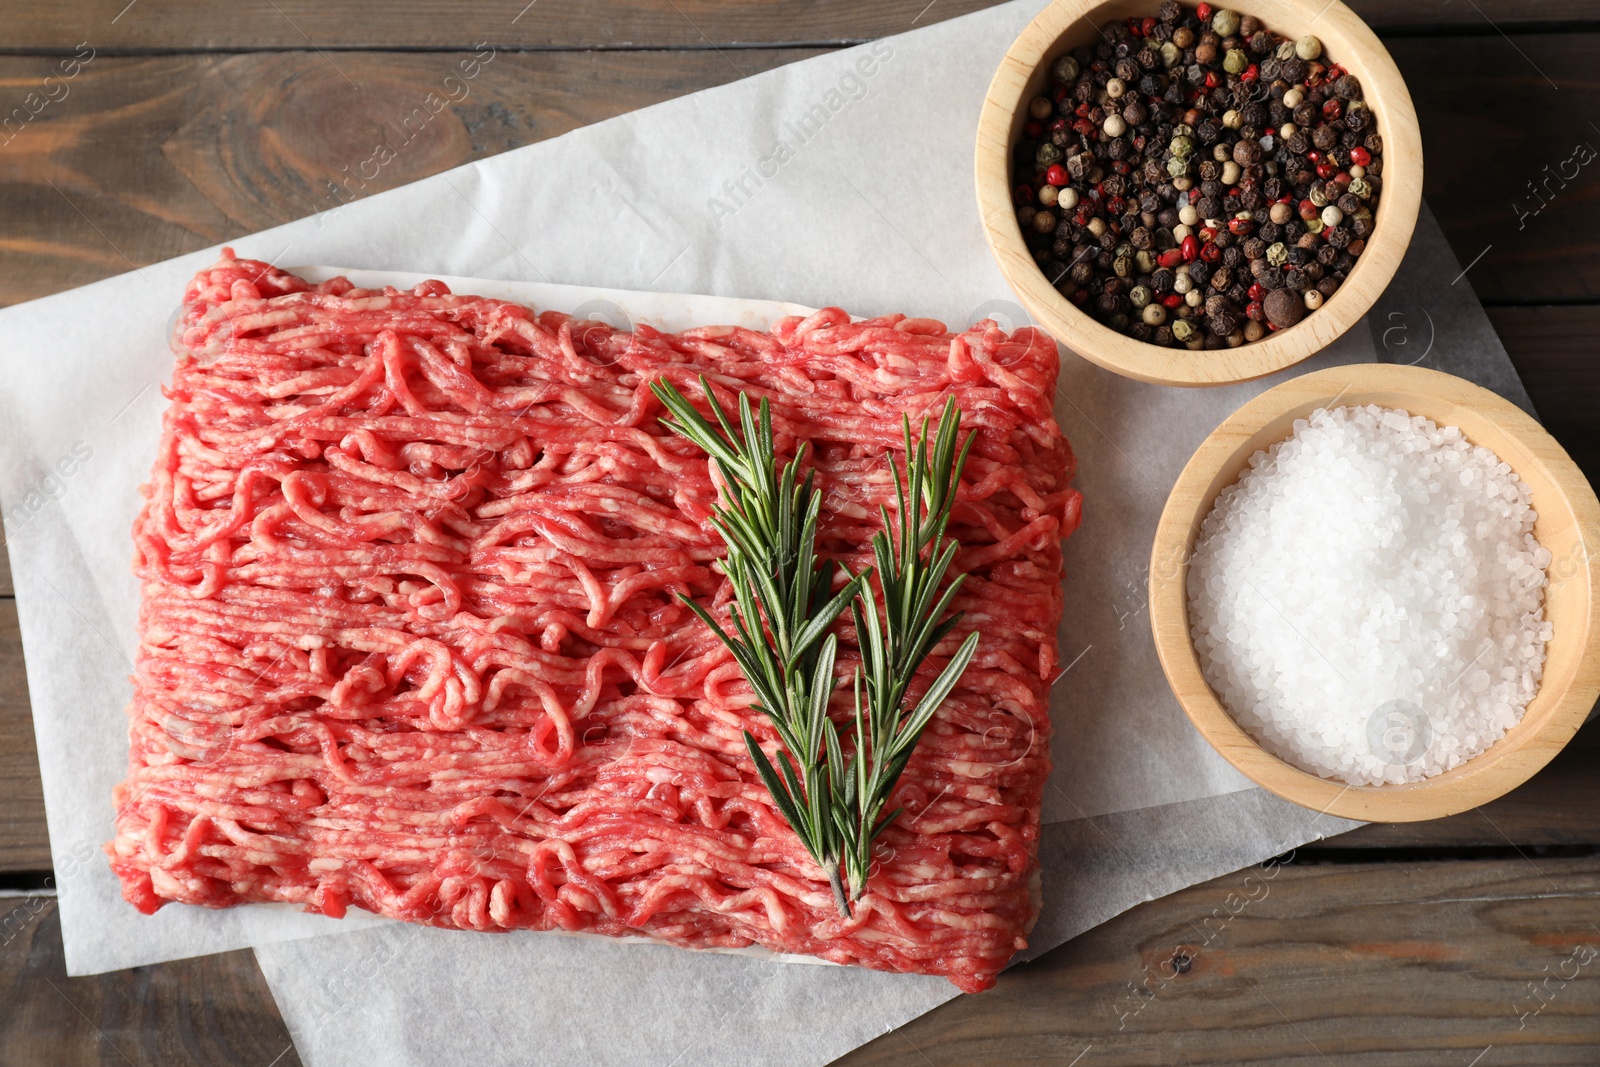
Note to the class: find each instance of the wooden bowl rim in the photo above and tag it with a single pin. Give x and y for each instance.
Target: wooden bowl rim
(1553, 716)
(1360, 51)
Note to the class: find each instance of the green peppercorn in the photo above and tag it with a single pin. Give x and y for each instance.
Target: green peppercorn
(1177, 167)
(1277, 254)
(1225, 22)
(1308, 48)
(1183, 329)
(1181, 147)
(1235, 61)
(1065, 70)
(1140, 295)
(1361, 187)
(1170, 55)
(1047, 154)
(1145, 261)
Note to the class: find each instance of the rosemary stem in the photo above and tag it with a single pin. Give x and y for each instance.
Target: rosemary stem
(839, 896)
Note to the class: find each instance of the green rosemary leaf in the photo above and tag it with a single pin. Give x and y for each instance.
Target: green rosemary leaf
(769, 778)
(913, 726)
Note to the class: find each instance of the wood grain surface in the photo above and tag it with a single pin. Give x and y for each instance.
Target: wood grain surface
(1415, 943)
(209, 1010)
(212, 146)
(221, 25)
(1370, 964)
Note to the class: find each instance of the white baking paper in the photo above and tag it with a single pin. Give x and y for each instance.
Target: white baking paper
(868, 204)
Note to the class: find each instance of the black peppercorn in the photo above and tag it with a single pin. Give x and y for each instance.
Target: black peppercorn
(1325, 137)
(1161, 280)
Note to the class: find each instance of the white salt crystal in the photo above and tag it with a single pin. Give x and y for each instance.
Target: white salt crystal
(1368, 599)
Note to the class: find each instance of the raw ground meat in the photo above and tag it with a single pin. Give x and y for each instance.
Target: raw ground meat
(410, 639)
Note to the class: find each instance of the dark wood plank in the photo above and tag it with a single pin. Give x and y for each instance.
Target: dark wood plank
(211, 1010)
(208, 147)
(1343, 965)
(1554, 352)
(24, 842)
(148, 158)
(164, 25)
(1495, 113)
(1346, 965)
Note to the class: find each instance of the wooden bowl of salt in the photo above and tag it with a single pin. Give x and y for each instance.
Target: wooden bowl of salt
(1567, 525)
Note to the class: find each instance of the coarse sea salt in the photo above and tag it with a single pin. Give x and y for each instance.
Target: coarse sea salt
(1368, 599)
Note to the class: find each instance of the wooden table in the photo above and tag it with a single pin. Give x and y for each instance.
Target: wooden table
(1464, 941)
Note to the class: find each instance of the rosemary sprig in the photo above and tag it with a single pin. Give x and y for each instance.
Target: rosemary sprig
(783, 614)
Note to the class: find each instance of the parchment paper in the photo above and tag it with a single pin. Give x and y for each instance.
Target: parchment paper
(869, 205)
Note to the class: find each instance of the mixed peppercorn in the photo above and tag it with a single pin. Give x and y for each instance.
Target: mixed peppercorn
(1195, 179)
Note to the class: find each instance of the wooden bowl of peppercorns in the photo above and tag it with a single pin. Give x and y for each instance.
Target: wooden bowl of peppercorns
(1198, 195)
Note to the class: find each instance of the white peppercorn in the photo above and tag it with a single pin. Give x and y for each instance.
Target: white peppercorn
(1308, 48)
(1154, 314)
